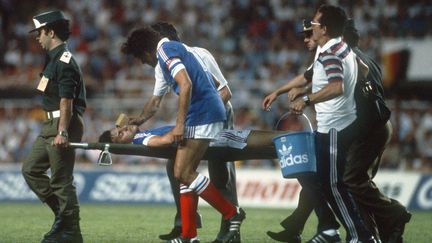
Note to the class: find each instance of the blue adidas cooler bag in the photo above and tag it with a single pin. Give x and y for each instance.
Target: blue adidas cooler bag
(296, 152)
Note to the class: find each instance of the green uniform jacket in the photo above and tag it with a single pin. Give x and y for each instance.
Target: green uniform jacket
(64, 81)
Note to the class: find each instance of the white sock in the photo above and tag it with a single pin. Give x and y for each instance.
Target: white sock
(199, 184)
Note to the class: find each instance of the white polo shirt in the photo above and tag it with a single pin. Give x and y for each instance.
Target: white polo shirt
(335, 62)
(207, 61)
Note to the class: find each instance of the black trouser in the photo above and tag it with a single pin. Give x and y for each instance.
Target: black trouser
(61, 161)
(378, 211)
(331, 152)
(310, 198)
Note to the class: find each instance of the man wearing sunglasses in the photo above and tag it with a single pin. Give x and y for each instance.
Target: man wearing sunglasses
(308, 199)
(333, 83)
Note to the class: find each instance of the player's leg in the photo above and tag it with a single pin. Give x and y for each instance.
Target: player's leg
(184, 171)
(223, 176)
(260, 138)
(175, 188)
(187, 159)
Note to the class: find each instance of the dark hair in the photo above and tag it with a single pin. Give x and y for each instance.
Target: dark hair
(334, 18)
(351, 35)
(60, 28)
(105, 137)
(140, 41)
(166, 30)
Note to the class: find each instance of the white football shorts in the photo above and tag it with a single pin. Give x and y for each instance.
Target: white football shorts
(206, 131)
(231, 138)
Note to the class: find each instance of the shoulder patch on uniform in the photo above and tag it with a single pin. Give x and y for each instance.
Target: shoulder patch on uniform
(66, 57)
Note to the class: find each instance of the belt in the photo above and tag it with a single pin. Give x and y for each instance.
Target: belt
(52, 114)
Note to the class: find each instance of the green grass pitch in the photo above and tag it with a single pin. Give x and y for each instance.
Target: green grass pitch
(27, 222)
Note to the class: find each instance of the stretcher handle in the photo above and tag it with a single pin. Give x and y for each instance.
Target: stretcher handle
(104, 156)
(98, 146)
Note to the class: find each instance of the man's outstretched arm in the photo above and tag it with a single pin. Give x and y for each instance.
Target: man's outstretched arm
(298, 81)
(150, 108)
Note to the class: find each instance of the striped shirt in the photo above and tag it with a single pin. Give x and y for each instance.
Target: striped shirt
(335, 63)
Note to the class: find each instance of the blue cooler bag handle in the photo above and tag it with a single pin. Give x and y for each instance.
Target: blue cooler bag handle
(296, 151)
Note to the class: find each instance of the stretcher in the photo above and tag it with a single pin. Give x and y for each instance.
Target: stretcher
(213, 153)
(216, 153)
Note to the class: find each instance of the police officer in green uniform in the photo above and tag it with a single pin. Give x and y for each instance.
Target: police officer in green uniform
(64, 101)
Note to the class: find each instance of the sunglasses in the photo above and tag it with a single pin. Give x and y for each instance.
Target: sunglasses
(314, 23)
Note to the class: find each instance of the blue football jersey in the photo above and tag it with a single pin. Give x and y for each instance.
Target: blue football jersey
(206, 106)
(140, 137)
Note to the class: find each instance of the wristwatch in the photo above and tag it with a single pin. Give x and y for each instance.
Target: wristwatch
(306, 100)
(63, 133)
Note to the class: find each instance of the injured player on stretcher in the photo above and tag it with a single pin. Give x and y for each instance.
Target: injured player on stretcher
(161, 137)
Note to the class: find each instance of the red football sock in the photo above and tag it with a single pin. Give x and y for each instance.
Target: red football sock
(218, 201)
(188, 207)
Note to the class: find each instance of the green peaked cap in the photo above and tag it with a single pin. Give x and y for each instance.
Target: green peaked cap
(47, 18)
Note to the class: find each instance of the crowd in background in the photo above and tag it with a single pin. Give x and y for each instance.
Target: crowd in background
(256, 43)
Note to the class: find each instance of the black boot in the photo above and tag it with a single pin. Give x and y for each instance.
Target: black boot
(71, 231)
(292, 229)
(175, 233)
(54, 233)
